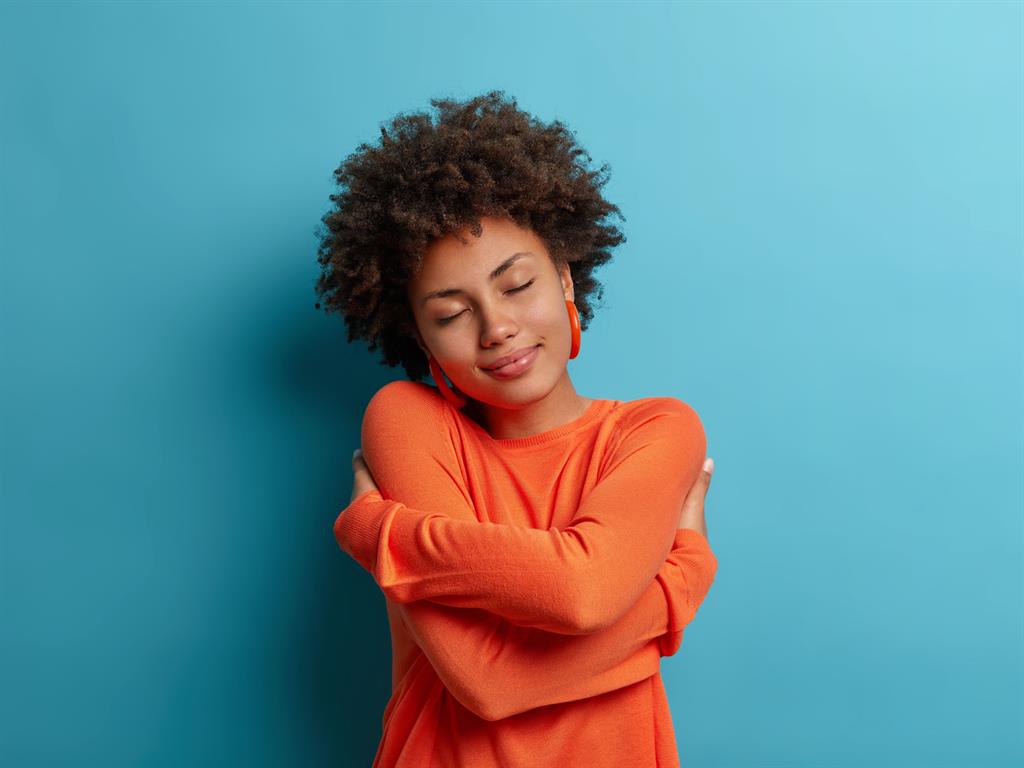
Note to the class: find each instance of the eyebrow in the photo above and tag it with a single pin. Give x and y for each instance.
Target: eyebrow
(498, 271)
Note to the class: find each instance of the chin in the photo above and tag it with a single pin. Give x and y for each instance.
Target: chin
(517, 393)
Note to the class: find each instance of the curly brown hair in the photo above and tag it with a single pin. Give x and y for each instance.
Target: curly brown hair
(483, 157)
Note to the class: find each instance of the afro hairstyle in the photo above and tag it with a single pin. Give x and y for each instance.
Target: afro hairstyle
(482, 156)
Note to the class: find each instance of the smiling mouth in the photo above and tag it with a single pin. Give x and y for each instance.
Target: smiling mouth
(516, 357)
(518, 367)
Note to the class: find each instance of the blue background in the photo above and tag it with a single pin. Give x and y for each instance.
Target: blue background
(823, 210)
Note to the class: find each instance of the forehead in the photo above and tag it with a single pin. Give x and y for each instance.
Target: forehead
(449, 261)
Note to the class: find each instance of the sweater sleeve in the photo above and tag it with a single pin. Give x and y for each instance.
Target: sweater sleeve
(576, 580)
(685, 577)
(497, 669)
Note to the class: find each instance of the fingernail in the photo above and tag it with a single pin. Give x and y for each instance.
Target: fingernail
(709, 466)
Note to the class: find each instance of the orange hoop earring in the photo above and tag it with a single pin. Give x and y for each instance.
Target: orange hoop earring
(574, 326)
(435, 370)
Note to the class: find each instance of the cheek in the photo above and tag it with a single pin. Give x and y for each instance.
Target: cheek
(551, 318)
(457, 346)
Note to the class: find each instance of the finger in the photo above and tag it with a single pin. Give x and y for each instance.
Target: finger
(703, 482)
(358, 462)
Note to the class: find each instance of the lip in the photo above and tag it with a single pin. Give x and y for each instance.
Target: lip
(509, 358)
(516, 363)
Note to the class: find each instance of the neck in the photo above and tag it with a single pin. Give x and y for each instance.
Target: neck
(559, 406)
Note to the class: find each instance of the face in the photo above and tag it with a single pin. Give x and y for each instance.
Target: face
(496, 294)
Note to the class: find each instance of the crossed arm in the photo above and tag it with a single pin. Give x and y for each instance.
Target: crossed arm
(514, 618)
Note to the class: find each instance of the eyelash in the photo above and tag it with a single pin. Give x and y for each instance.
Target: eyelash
(523, 287)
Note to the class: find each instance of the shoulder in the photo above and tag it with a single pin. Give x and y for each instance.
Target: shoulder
(406, 406)
(407, 427)
(656, 417)
(664, 434)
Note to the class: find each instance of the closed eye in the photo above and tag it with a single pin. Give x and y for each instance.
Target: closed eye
(517, 289)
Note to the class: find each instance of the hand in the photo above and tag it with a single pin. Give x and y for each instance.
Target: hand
(362, 480)
(692, 515)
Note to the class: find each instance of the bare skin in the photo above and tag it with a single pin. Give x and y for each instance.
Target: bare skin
(490, 317)
(692, 515)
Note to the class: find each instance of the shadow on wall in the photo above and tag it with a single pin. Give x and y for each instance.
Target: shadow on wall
(346, 673)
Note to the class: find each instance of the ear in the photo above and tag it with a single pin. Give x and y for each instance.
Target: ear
(565, 274)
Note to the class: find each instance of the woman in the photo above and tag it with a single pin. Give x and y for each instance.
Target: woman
(539, 551)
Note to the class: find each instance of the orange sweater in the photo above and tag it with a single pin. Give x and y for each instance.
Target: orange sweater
(532, 584)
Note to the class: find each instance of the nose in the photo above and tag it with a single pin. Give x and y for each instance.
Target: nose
(497, 327)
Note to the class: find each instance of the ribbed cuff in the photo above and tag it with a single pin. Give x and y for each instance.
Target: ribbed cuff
(686, 536)
(358, 527)
(699, 555)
